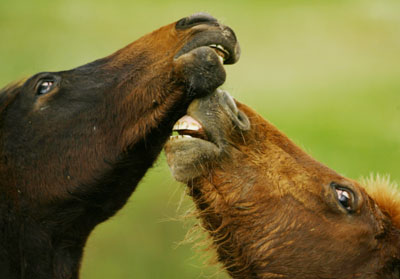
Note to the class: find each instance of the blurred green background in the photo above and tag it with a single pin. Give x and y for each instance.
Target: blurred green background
(327, 73)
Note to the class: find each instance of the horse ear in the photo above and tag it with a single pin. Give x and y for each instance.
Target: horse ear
(8, 93)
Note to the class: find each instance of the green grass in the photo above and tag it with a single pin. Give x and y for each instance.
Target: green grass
(327, 73)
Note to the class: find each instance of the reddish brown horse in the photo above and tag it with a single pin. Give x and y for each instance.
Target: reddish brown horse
(74, 144)
(271, 210)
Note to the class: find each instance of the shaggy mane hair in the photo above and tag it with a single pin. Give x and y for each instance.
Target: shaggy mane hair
(386, 194)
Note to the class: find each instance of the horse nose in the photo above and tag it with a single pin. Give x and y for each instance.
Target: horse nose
(238, 117)
(227, 100)
(196, 19)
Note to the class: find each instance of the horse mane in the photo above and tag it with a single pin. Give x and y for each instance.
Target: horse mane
(386, 194)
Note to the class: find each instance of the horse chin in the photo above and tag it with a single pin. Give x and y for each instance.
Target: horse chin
(187, 156)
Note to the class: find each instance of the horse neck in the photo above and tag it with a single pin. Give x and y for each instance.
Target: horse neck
(32, 249)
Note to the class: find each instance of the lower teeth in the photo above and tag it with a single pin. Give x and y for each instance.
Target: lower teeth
(179, 137)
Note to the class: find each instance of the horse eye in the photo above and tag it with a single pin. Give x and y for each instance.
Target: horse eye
(344, 196)
(45, 86)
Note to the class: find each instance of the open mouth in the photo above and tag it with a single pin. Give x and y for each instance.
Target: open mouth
(188, 128)
(204, 135)
(222, 53)
(189, 149)
(223, 42)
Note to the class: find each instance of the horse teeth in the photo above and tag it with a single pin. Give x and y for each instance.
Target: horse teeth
(184, 125)
(222, 58)
(219, 47)
(222, 48)
(180, 126)
(179, 137)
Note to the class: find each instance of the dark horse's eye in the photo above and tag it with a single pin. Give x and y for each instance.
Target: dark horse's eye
(344, 196)
(44, 86)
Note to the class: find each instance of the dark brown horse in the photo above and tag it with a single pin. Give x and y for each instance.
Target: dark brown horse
(271, 210)
(74, 144)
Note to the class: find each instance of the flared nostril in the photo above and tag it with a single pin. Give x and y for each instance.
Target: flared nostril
(238, 117)
(229, 102)
(196, 19)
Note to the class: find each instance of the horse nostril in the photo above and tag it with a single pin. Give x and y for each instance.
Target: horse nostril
(199, 18)
(230, 102)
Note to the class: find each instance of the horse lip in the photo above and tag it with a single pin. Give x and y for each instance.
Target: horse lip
(210, 37)
(196, 19)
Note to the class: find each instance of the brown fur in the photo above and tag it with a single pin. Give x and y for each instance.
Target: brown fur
(272, 211)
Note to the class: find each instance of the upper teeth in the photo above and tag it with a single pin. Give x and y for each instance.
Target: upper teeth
(187, 123)
(186, 126)
(219, 47)
(222, 58)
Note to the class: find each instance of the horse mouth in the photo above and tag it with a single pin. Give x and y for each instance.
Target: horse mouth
(188, 128)
(190, 148)
(203, 135)
(222, 53)
(222, 40)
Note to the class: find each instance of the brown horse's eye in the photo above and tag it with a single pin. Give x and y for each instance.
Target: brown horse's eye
(44, 86)
(344, 196)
